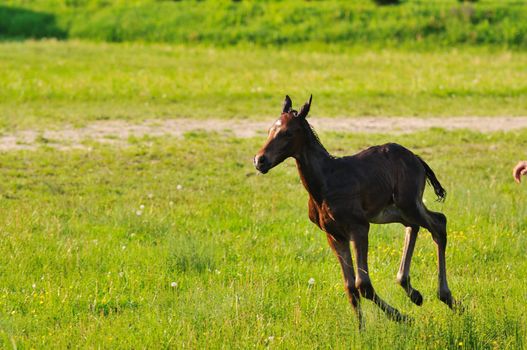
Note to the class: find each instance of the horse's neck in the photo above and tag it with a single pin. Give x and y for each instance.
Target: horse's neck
(311, 164)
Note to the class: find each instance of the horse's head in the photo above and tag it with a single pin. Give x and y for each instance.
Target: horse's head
(286, 137)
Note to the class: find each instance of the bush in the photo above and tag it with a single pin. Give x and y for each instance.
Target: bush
(23, 23)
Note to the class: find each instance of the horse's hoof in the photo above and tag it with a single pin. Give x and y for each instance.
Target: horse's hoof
(405, 319)
(457, 307)
(416, 297)
(400, 318)
(446, 297)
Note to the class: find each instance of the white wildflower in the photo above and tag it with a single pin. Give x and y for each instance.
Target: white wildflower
(179, 187)
(173, 284)
(311, 281)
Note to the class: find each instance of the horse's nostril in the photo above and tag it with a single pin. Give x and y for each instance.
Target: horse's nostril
(259, 160)
(261, 163)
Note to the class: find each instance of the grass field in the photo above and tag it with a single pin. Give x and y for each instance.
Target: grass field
(413, 23)
(165, 242)
(219, 257)
(48, 83)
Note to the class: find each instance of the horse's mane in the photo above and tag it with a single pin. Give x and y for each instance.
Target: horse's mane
(313, 136)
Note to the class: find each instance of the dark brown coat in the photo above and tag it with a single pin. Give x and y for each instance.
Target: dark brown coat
(382, 184)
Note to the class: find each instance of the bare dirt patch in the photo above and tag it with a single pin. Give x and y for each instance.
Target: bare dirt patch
(118, 132)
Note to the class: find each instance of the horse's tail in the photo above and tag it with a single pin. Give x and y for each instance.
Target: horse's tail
(432, 179)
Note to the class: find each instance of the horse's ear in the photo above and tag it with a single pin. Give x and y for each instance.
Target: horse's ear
(287, 105)
(305, 108)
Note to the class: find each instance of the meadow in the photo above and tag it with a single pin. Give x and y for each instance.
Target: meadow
(176, 242)
(45, 84)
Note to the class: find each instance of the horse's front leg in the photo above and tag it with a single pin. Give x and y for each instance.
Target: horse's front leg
(342, 251)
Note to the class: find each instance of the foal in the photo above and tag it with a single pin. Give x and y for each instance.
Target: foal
(382, 184)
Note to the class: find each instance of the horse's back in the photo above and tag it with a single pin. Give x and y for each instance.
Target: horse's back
(388, 150)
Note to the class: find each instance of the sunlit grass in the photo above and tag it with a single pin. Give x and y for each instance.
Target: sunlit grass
(80, 267)
(411, 24)
(45, 83)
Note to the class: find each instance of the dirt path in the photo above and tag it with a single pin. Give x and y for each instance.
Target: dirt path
(117, 132)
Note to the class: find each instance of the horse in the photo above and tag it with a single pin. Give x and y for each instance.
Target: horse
(382, 184)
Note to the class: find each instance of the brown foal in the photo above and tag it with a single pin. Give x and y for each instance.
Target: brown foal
(382, 184)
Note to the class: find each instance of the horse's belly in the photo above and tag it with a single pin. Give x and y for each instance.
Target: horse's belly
(387, 215)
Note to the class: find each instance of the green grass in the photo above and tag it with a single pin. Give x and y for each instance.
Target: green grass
(49, 83)
(275, 23)
(80, 268)
(84, 264)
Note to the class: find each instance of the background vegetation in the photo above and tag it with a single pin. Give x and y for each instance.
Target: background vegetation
(175, 243)
(413, 23)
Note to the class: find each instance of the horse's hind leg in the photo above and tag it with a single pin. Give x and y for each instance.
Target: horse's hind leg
(363, 282)
(403, 276)
(437, 227)
(436, 224)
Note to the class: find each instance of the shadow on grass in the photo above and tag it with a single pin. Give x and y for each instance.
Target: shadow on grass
(18, 23)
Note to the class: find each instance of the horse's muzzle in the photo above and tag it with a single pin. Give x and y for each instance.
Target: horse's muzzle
(261, 163)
